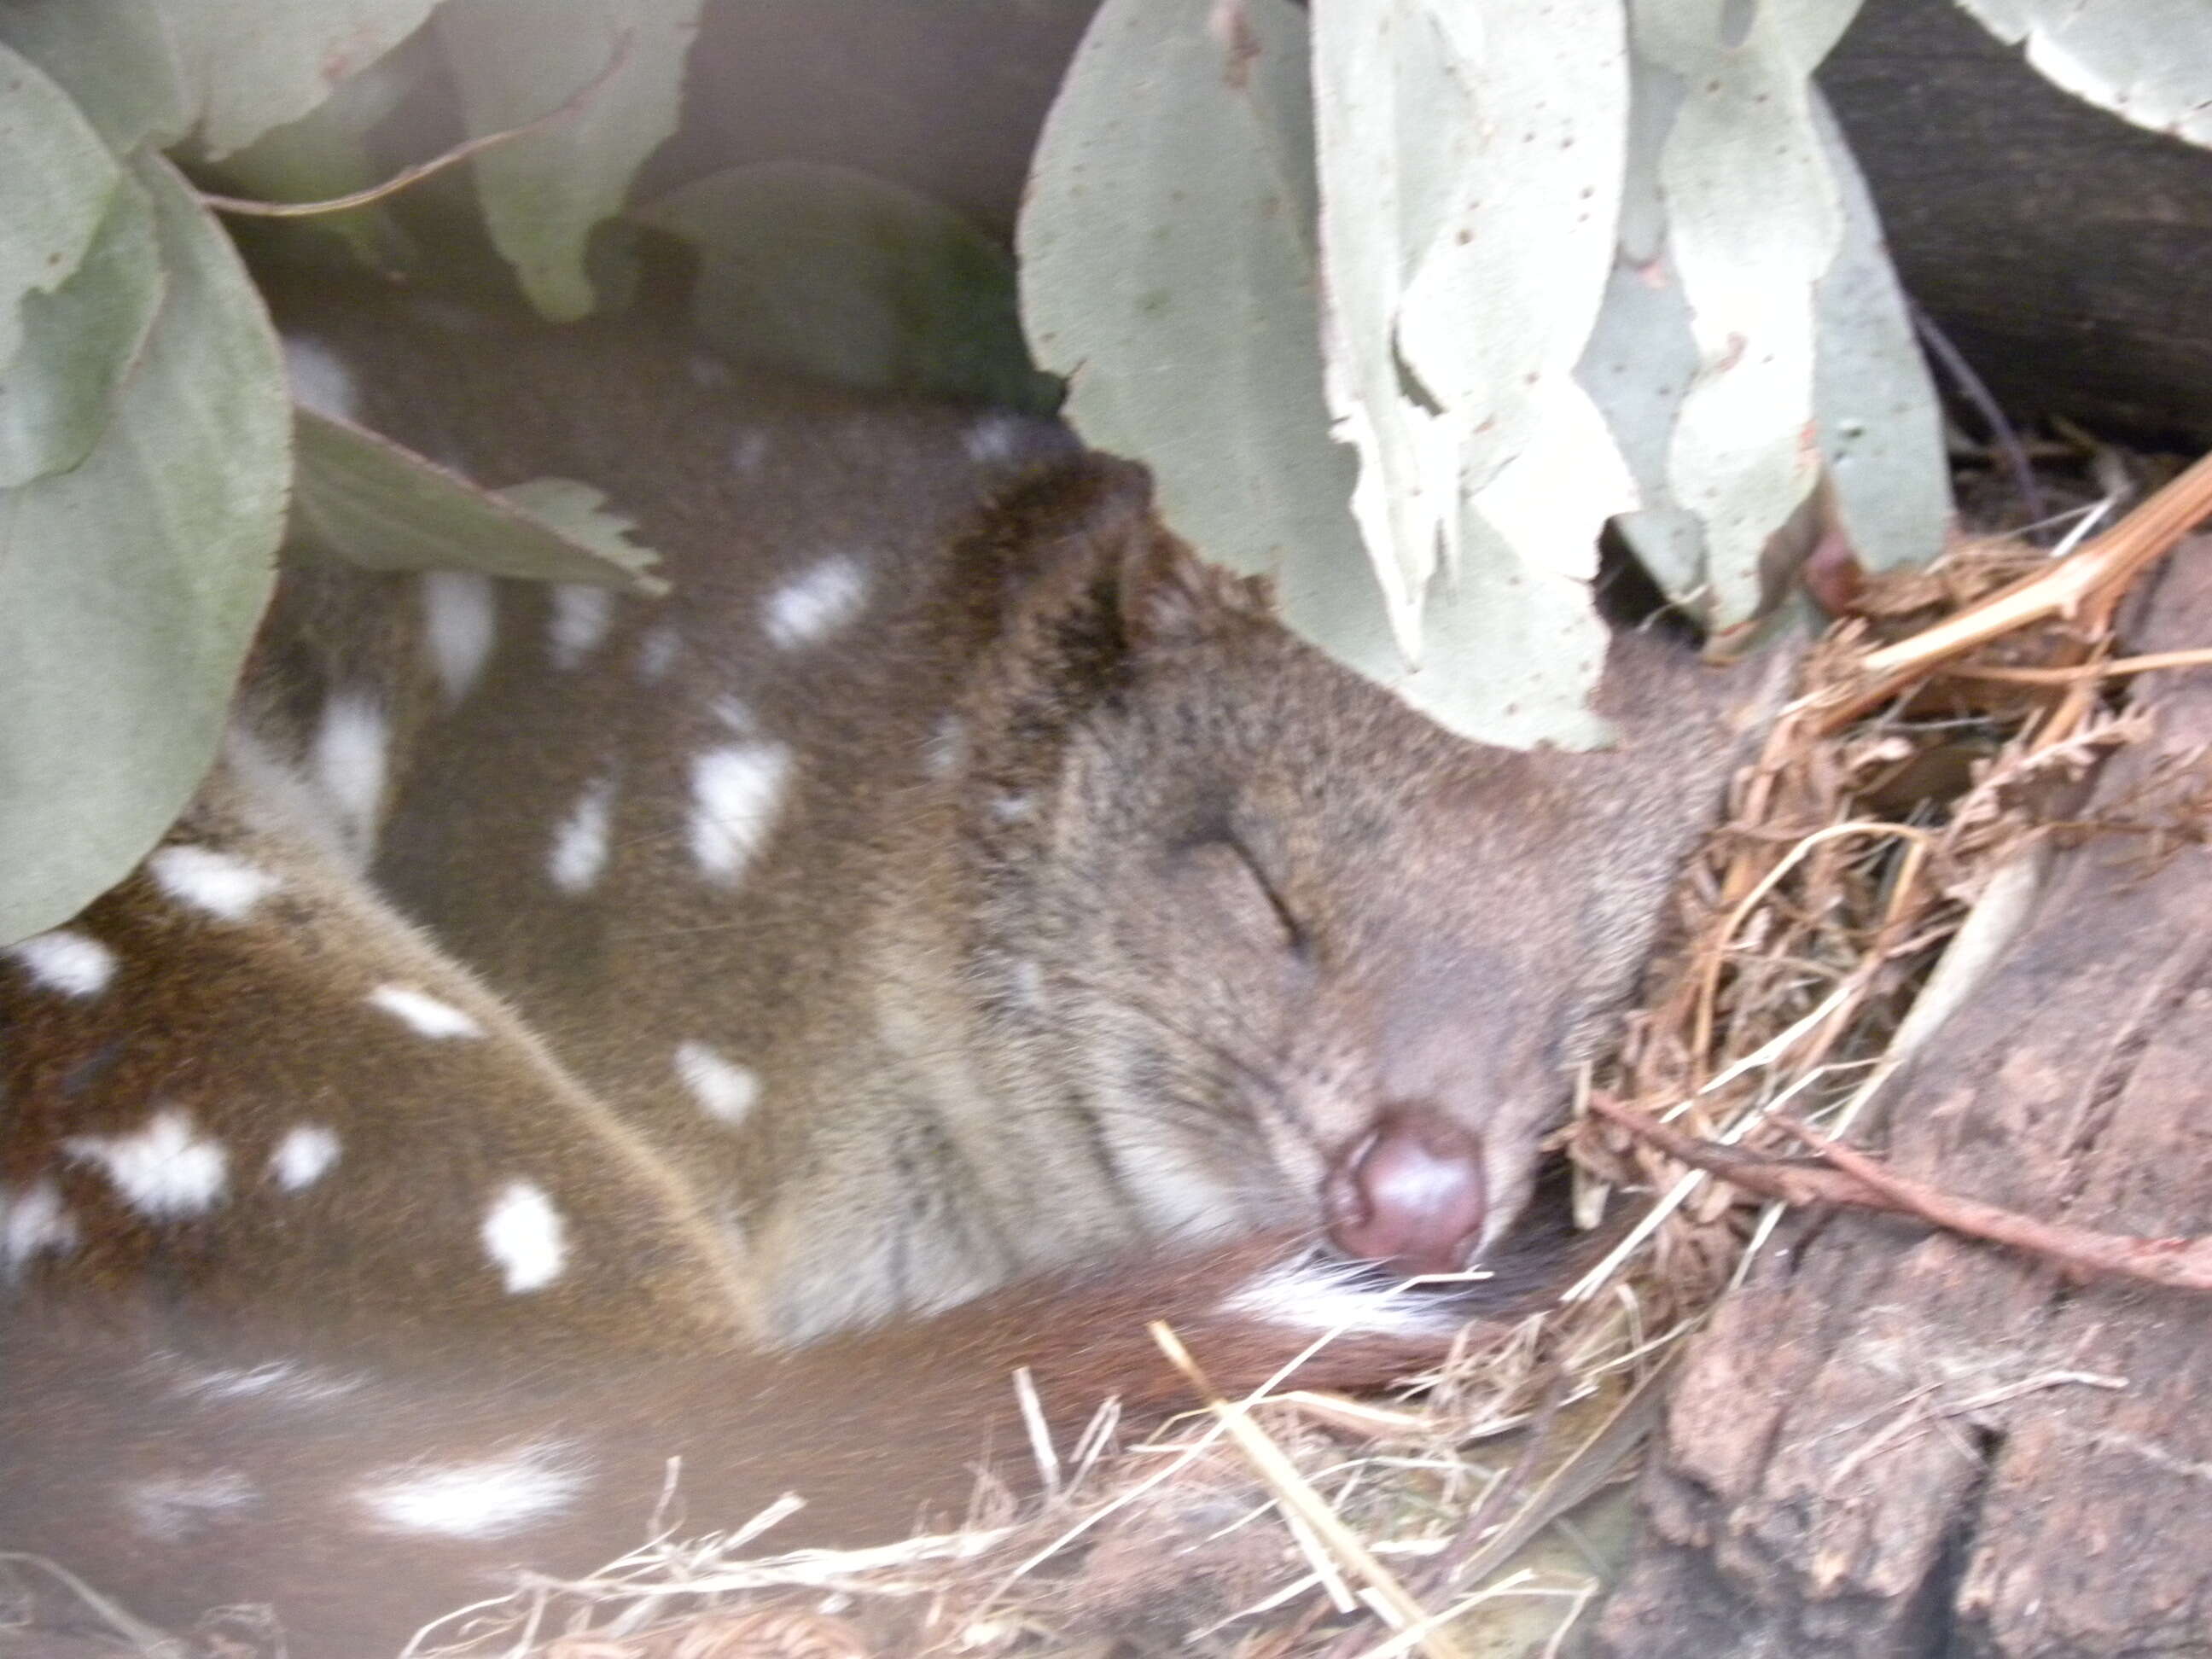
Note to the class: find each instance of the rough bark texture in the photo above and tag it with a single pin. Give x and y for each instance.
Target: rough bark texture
(1834, 1476)
(2067, 253)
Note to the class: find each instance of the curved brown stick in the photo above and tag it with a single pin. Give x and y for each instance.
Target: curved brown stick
(1855, 1181)
(250, 206)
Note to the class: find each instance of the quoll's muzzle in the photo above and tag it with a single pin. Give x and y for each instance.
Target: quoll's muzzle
(1411, 1195)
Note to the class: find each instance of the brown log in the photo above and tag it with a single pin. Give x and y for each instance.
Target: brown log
(2067, 253)
(1890, 1443)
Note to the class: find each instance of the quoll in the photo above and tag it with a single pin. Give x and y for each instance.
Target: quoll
(572, 1031)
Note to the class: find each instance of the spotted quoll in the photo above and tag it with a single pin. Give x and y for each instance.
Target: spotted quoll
(571, 1031)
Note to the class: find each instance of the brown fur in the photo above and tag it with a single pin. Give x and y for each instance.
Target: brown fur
(1124, 958)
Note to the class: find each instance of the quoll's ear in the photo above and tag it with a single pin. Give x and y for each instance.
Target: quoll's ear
(1169, 596)
(1091, 584)
(1093, 519)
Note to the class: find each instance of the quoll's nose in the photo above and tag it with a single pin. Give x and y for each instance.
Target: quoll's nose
(1410, 1195)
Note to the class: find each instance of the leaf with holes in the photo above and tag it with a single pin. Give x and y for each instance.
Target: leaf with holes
(1470, 168)
(1742, 455)
(1196, 347)
(129, 585)
(545, 191)
(364, 499)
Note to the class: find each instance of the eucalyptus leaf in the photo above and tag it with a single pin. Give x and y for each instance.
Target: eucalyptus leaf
(518, 60)
(1470, 165)
(831, 272)
(1881, 426)
(1746, 261)
(1880, 442)
(249, 65)
(77, 344)
(129, 585)
(1194, 344)
(117, 60)
(364, 499)
(326, 153)
(2146, 61)
(56, 180)
(578, 512)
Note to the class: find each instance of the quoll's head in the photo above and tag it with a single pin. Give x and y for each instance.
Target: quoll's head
(1304, 957)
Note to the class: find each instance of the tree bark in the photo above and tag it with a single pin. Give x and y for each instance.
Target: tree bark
(2067, 253)
(1894, 1444)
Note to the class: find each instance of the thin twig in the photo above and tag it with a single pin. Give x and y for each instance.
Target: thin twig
(1975, 391)
(2200, 658)
(1386, 1595)
(250, 206)
(1857, 1181)
(2085, 587)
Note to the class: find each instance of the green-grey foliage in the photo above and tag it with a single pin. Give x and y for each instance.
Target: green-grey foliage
(545, 191)
(116, 59)
(146, 450)
(129, 584)
(827, 271)
(74, 311)
(249, 65)
(363, 498)
(1553, 297)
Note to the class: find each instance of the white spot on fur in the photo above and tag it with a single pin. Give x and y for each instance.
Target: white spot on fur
(724, 1089)
(811, 607)
(492, 1499)
(1012, 808)
(304, 1156)
(319, 382)
(428, 1016)
(279, 1381)
(656, 652)
(582, 614)
(1028, 983)
(76, 965)
(524, 1235)
(995, 439)
(736, 793)
(1312, 1293)
(946, 748)
(580, 845)
(167, 1169)
(736, 715)
(348, 763)
(174, 1508)
(748, 449)
(212, 881)
(460, 617)
(34, 1221)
